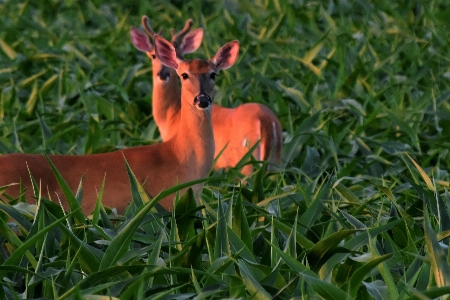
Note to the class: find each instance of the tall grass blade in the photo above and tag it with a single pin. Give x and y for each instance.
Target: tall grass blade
(240, 224)
(137, 191)
(31, 103)
(70, 197)
(185, 208)
(251, 284)
(8, 50)
(96, 215)
(436, 255)
(423, 174)
(222, 247)
(327, 247)
(385, 272)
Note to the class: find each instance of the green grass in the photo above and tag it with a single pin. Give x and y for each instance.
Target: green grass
(360, 209)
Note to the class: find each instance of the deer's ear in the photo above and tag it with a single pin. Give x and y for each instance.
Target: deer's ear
(226, 56)
(165, 52)
(192, 41)
(140, 40)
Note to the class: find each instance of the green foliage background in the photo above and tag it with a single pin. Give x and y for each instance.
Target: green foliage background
(359, 210)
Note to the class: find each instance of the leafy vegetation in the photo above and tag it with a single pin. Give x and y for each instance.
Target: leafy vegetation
(359, 210)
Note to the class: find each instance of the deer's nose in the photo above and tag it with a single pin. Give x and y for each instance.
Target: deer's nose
(202, 101)
(164, 74)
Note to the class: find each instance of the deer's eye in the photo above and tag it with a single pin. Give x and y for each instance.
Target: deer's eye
(184, 76)
(213, 76)
(153, 56)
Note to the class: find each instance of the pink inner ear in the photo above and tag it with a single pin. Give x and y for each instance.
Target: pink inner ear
(192, 41)
(227, 55)
(165, 52)
(140, 40)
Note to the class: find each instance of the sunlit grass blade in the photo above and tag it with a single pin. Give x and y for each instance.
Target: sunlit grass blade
(197, 287)
(422, 173)
(252, 286)
(137, 191)
(48, 84)
(8, 50)
(31, 103)
(70, 197)
(436, 254)
(96, 214)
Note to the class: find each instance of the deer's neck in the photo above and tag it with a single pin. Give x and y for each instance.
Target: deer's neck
(194, 141)
(166, 103)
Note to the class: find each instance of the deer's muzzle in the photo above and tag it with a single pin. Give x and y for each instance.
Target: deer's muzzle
(203, 101)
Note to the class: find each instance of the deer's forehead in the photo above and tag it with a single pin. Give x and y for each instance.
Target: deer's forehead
(196, 66)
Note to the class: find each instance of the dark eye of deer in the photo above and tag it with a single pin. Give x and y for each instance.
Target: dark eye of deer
(213, 76)
(184, 76)
(153, 56)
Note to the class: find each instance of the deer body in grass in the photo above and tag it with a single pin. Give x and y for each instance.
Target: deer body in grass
(186, 156)
(236, 130)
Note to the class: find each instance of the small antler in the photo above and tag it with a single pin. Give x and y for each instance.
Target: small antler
(178, 37)
(147, 27)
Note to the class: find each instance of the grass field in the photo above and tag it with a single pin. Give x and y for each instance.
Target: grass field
(359, 210)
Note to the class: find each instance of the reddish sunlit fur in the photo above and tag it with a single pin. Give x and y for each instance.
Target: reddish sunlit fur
(239, 127)
(187, 156)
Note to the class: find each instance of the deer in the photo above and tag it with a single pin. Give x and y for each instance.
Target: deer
(236, 130)
(166, 90)
(188, 155)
